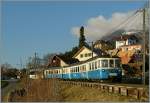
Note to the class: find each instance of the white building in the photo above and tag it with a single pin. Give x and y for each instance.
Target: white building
(86, 53)
(134, 47)
(125, 40)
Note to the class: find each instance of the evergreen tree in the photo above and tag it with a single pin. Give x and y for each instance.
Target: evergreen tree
(82, 37)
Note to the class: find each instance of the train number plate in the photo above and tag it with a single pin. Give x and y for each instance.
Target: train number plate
(113, 74)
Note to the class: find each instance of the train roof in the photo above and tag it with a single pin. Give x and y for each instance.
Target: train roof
(81, 62)
(55, 68)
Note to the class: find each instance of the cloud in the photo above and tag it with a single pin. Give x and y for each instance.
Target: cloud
(98, 27)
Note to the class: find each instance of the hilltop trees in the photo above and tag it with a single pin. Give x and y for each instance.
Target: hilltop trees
(47, 57)
(7, 71)
(34, 62)
(82, 37)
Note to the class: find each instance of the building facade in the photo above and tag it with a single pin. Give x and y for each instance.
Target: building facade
(84, 54)
(125, 40)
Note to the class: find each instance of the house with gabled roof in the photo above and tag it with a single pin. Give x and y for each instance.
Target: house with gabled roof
(86, 53)
(56, 61)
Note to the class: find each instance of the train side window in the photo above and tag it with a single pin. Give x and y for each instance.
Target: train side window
(89, 66)
(111, 63)
(104, 63)
(96, 65)
(85, 67)
(117, 63)
(56, 71)
(45, 72)
(75, 69)
(92, 65)
(82, 68)
(99, 64)
(72, 70)
(78, 68)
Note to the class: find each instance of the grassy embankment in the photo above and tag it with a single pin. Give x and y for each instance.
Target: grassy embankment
(6, 90)
(51, 90)
(4, 83)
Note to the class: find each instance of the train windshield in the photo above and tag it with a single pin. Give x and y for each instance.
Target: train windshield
(117, 63)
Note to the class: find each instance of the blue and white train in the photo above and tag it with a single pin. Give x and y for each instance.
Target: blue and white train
(96, 68)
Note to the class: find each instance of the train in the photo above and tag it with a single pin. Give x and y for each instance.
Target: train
(96, 68)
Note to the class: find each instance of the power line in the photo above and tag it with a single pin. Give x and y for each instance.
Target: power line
(127, 19)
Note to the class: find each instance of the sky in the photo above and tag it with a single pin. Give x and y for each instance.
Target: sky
(53, 26)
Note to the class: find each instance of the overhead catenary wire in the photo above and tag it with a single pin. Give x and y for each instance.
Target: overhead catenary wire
(122, 23)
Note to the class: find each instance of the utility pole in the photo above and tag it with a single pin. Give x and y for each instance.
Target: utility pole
(144, 46)
(35, 62)
(20, 63)
(92, 49)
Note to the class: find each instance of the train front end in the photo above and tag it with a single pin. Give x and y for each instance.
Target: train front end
(111, 70)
